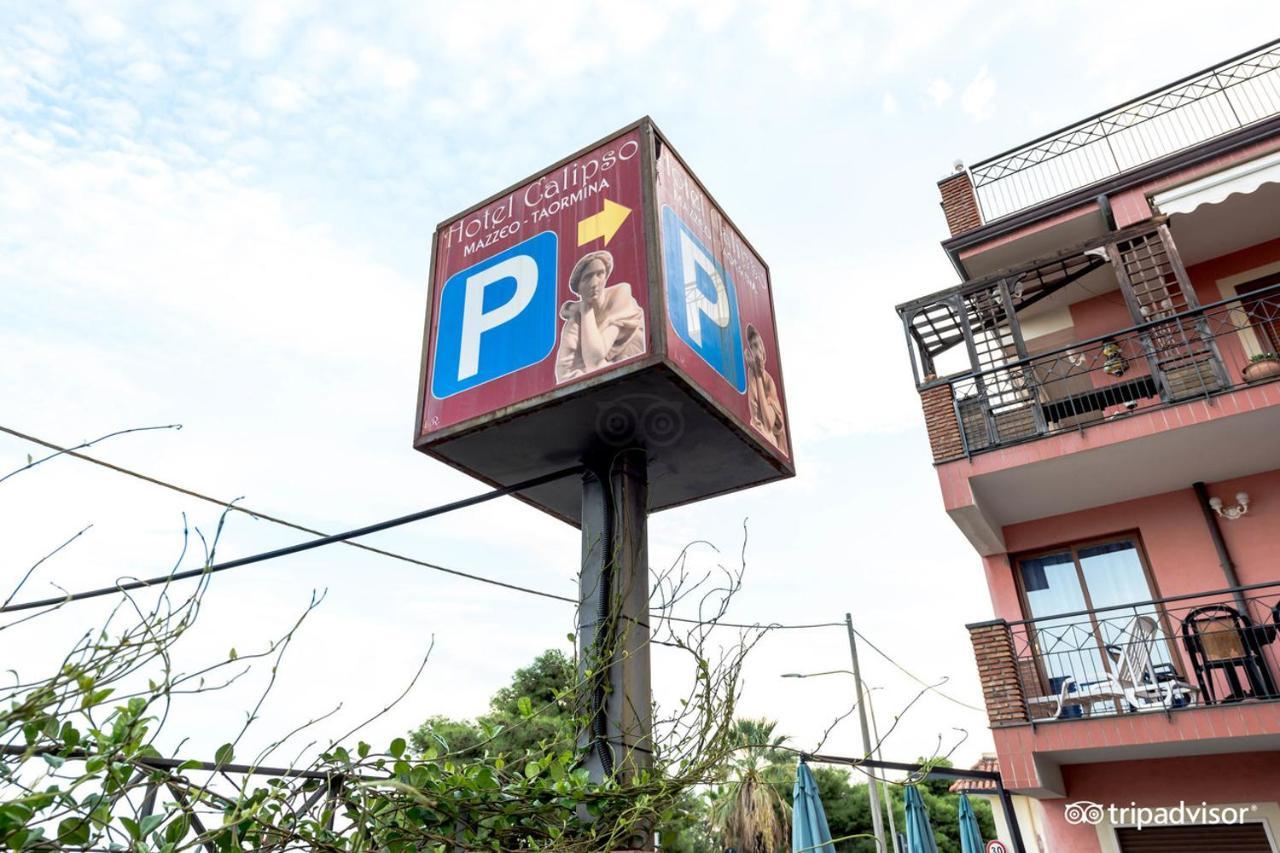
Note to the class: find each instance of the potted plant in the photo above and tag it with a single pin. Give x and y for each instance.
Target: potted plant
(1115, 364)
(1263, 366)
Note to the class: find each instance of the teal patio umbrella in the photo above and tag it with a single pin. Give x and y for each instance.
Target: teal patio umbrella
(809, 830)
(919, 833)
(970, 835)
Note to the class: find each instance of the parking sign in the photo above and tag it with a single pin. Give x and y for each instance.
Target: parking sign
(604, 303)
(506, 317)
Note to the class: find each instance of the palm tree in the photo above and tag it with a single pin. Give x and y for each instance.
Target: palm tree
(750, 809)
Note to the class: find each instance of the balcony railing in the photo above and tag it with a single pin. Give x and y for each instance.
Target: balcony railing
(1188, 651)
(1198, 108)
(1165, 361)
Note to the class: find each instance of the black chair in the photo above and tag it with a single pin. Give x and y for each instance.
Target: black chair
(1218, 637)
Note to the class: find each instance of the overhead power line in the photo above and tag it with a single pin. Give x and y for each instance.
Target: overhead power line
(237, 507)
(913, 676)
(299, 547)
(326, 539)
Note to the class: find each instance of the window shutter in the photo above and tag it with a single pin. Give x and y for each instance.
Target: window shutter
(1234, 838)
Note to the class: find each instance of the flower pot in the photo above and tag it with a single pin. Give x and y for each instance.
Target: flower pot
(1260, 371)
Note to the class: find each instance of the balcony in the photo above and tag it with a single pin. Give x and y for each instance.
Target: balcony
(1217, 101)
(1187, 675)
(1157, 655)
(1183, 355)
(1019, 381)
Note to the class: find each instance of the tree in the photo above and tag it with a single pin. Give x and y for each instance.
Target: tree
(751, 810)
(848, 808)
(686, 827)
(531, 714)
(944, 809)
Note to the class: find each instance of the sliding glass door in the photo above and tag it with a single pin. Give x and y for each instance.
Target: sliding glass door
(1084, 598)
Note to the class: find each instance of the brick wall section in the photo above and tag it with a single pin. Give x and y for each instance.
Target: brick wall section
(959, 203)
(940, 421)
(997, 668)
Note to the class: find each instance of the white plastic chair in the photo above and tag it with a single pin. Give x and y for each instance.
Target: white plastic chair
(1132, 680)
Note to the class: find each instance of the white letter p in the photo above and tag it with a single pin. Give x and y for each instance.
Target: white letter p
(476, 321)
(697, 305)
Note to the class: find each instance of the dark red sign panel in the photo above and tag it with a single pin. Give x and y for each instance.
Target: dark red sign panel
(540, 288)
(719, 307)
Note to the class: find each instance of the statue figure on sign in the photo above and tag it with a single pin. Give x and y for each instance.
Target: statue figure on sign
(603, 326)
(762, 393)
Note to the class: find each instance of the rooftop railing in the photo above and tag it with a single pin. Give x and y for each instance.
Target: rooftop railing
(1229, 96)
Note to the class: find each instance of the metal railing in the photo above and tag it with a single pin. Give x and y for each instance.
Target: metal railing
(1195, 109)
(203, 793)
(1165, 361)
(1197, 650)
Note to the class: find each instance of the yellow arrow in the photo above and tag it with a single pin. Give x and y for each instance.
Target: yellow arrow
(603, 224)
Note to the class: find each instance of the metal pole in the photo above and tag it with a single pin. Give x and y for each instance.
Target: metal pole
(613, 620)
(884, 786)
(877, 820)
(1010, 818)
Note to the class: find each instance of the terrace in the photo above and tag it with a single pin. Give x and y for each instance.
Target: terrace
(1218, 101)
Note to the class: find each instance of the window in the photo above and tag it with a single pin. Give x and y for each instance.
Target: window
(1100, 582)
(1263, 311)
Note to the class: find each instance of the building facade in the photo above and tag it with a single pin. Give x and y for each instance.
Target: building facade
(1102, 398)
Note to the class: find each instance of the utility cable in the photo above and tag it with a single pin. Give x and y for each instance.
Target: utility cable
(914, 677)
(253, 513)
(299, 547)
(173, 487)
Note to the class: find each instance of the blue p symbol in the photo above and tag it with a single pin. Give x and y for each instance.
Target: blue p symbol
(702, 301)
(496, 317)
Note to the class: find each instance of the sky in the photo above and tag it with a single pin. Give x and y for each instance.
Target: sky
(219, 216)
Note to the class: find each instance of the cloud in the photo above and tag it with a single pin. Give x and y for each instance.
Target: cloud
(281, 94)
(977, 96)
(392, 70)
(142, 71)
(889, 104)
(102, 27)
(265, 26)
(939, 91)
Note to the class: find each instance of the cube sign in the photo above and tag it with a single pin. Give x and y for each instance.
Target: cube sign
(606, 302)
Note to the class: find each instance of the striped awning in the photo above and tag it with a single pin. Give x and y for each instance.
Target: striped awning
(1218, 187)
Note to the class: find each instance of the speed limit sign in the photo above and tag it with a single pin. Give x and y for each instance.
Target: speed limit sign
(996, 847)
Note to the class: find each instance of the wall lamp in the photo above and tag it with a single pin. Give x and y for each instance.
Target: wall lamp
(1231, 513)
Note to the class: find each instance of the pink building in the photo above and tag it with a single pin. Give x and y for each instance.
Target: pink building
(1103, 412)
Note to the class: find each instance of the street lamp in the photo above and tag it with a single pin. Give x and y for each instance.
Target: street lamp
(865, 690)
(814, 674)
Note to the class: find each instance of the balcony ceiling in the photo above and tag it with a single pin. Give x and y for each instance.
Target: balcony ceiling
(1165, 461)
(1100, 281)
(1145, 454)
(1046, 239)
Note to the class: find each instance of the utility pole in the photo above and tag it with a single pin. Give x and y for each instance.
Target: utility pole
(613, 618)
(877, 820)
(884, 788)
